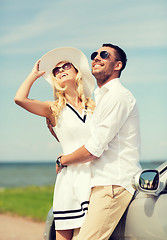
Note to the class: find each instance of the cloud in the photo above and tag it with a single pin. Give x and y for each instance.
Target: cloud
(34, 28)
(88, 25)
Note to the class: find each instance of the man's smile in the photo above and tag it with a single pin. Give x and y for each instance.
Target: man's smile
(97, 65)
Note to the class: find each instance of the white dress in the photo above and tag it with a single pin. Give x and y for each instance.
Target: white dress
(72, 188)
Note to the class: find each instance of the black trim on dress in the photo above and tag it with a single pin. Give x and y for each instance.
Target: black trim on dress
(73, 109)
(71, 214)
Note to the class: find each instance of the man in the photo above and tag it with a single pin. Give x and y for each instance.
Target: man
(113, 147)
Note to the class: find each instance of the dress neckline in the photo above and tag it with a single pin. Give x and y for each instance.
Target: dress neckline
(81, 116)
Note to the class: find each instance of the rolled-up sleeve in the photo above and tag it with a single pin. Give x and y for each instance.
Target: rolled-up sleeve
(110, 115)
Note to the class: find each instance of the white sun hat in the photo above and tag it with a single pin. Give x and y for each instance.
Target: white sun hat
(72, 55)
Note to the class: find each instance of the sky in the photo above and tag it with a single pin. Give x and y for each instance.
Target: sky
(31, 28)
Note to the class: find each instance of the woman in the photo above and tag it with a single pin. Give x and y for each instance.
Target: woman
(67, 70)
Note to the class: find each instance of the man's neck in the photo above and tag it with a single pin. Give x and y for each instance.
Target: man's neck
(108, 80)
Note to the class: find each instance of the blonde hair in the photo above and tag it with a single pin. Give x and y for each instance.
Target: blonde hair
(60, 99)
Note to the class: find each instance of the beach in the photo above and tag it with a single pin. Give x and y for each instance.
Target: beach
(19, 228)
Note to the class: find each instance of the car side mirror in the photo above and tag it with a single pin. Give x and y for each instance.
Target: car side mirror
(146, 181)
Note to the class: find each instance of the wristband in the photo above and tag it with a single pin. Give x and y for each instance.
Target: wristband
(58, 162)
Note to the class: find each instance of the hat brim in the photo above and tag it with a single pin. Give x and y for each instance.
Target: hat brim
(72, 55)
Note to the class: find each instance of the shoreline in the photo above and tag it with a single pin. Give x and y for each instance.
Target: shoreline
(38, 174)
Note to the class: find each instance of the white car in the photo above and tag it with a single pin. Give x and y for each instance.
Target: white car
(146, 216)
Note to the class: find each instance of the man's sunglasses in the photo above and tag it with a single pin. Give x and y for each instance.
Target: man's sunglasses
(65, 66)
(103, 55)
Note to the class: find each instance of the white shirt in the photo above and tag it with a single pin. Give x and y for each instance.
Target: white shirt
(115, 136)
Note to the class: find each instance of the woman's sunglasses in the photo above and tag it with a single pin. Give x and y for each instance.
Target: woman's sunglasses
(56, 70)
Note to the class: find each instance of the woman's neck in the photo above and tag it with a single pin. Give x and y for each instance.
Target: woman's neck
(73, 100)
(72, 97)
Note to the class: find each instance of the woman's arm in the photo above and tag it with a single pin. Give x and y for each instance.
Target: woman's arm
(34, 106)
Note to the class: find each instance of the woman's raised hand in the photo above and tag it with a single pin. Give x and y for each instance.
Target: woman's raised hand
(35, 71)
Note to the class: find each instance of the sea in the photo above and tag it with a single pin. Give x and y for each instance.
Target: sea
(22, 174)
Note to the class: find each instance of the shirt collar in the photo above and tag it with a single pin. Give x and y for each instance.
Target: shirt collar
(106, 86)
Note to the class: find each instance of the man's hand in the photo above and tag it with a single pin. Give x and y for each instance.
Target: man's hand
(51, 129)
(58, 169)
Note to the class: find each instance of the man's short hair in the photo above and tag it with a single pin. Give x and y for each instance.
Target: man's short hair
(121, 54)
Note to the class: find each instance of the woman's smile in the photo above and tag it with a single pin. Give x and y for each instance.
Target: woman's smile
(63, 75)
